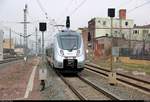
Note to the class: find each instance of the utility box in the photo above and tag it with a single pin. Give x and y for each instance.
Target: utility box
(1, 44)
(42, 74)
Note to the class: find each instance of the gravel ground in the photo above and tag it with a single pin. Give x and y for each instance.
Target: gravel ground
(56, 89)
(86, 90)
(13, 79)
(143, 77)
(120, 90)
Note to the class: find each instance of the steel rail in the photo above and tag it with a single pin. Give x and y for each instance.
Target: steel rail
(102, 90)
(121, 74)
(121, 80)
(71, 87)
(8, 60)
(81, 97)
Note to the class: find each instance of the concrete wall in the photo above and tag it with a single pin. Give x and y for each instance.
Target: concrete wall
(102, 46)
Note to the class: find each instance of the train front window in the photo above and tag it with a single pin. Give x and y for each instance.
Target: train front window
(69, 42)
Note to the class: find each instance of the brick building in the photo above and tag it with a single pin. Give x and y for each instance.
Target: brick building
(84, 32)
(122, 27)
(102, 47)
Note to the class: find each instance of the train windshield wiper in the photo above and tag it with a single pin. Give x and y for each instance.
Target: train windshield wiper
(74, 45)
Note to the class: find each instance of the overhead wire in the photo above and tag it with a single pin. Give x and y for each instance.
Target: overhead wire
(77, 8)
(42, 9)
(139, 6)
(17, 33)
(126, 3)
(46, 14)
(66, 9)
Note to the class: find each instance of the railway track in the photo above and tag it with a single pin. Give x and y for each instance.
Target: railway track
(86, 90)
(7, 60)
(132, 81)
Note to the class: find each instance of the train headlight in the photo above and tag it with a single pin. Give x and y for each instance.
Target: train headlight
(78, 52)
(62, 52)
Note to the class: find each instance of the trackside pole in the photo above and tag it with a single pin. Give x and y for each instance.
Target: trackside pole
(43, 69)
(112, 75)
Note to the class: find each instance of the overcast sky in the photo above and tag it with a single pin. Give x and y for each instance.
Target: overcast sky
(11, 11)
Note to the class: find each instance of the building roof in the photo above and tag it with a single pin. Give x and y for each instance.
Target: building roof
(108, 18)
(144, 26)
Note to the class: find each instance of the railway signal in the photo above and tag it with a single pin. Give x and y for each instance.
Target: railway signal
(112, 75)
(42, 28)
(68, 22)
(43, 71)
(111, 12)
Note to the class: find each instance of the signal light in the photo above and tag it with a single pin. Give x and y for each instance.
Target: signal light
(111, 12)
(68, 22)
(42, 26)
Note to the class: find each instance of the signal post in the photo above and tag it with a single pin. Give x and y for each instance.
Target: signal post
(112, 74)
(43, 69)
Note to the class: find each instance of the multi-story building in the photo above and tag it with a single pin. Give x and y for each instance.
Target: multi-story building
(141, 33)
(84, 32)
(121, 27)
(102, 27)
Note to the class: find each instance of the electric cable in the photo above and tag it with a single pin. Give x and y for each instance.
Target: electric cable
(139, 6)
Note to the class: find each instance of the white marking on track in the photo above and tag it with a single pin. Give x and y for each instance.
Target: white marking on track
(30, 83)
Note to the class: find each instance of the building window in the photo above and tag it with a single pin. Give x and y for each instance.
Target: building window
(104, 23)
(135, 32)
(145, 31)
(126, 23)
(138, 31)
(89, 36)
(123, 36)
(99, 21)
